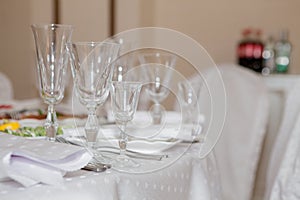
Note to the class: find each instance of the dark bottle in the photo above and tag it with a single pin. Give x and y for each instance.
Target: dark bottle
(258, 46)
(283, 50)
(243, 48)
(250, 50)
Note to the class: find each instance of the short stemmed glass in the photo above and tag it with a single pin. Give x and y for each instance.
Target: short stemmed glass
(52, 58)
(124, 101)
(158, 70)
(91, 73)
(188, 93)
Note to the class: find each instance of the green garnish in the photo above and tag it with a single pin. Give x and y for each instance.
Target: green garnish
(31, 132)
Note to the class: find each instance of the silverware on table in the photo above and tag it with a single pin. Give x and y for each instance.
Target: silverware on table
(96, 166)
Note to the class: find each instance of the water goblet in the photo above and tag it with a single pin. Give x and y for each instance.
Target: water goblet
(158, 70)
(91, 73)
(124, 101)
(52, 58)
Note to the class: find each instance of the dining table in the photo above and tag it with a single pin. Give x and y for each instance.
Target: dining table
(34, 168)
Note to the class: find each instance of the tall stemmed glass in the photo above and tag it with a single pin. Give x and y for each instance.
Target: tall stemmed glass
(91, 73)
(52, 58)
(124, 101)
(158, 72)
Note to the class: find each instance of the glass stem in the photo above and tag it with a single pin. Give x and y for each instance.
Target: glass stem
(123, 139)
(91, 127)
(51, 123)
(156, 113)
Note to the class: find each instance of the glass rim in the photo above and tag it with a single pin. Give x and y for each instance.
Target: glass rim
(51, 25)
(94, 43)
(127, 82)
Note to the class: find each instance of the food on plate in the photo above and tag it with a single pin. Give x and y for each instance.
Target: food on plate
(15, 128)
(12, 125)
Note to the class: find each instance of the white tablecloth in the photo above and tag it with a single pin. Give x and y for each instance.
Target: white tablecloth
(187, 177)
(183, 175)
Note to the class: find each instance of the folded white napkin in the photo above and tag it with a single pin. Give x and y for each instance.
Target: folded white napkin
(32, 161)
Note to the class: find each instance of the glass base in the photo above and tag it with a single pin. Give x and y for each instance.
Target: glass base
(97, 155)
(51, 139)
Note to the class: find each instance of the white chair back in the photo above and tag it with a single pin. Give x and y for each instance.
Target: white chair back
(6, 88)
(240, 144)
(283, 172)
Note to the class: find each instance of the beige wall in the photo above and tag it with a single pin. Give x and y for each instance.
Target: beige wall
(16, 56)
(214, 24)
(90, 18)
(217, 24)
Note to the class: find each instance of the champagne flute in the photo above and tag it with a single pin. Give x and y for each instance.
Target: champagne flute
(124, 101)
(91, 73)
(52, 58)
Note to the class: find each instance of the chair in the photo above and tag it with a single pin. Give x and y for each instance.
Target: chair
(6, 88)
(283, 172)
(240, 144)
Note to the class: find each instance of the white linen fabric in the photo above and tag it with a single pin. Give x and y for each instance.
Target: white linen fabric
(32, 161)
(240, 143)
(6, 88)
(187, 178)
(283, 177)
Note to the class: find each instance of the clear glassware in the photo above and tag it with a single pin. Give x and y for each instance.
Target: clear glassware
(52, 58)
(188, 95)
(125, 47)
(158, 70)
(124, 101)
(91, 72)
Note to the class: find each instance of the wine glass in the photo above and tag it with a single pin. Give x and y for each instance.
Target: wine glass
(158, 69)
(91, 73)
(125, 47)
(188, 93)
(52, 58)
(124, 101)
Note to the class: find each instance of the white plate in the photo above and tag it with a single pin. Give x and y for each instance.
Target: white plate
(31, 122)
(108, 137)
(151, 146)
(148, 139)
(142, 146)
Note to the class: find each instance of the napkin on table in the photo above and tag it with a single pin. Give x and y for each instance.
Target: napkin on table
(32, 161)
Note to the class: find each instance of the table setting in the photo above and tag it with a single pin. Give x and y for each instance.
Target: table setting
(131, 153)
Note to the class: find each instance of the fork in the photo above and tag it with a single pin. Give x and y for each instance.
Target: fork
(16, 115)
(96, 166)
